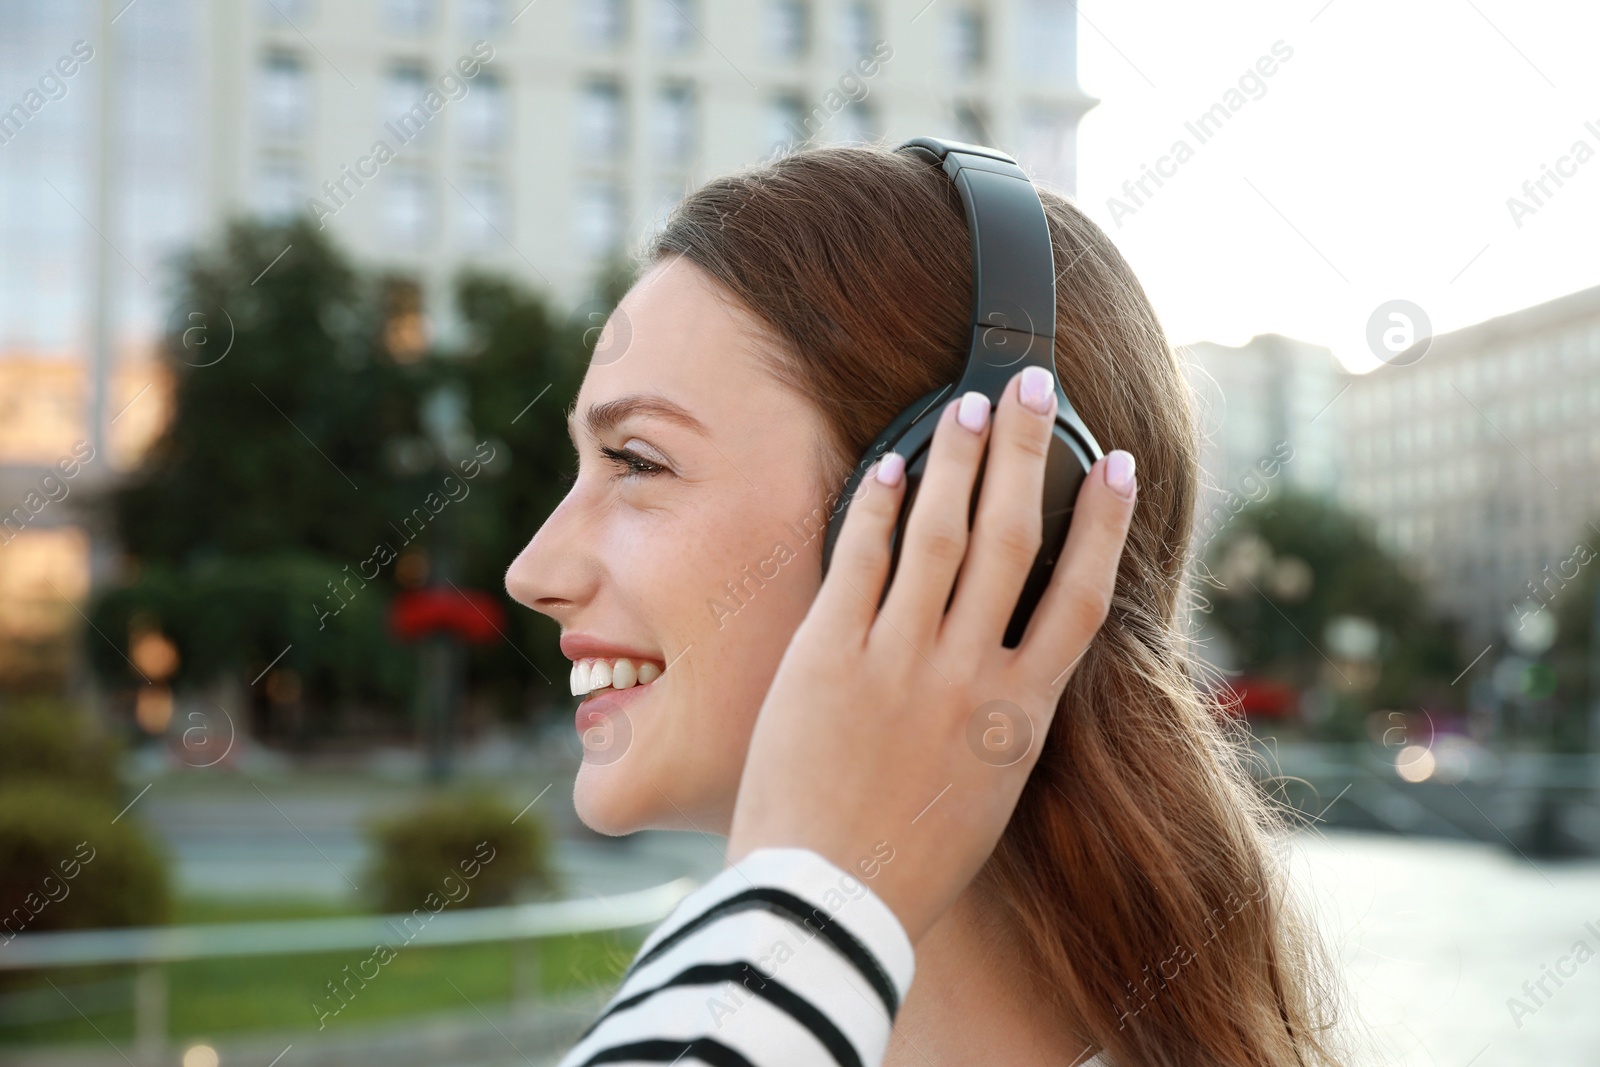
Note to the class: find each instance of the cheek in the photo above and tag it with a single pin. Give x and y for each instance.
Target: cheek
(727, 612)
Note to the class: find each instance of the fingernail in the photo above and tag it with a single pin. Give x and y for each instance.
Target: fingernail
(890, 469)
(1119, 473)
(1036, 391)
(973, 412)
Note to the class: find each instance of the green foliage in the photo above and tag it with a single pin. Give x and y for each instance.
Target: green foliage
(459, 850)
(1286, 568)
(47, 740)
(241, 995)
(518, 357)
(231, 612)
(306, 456)
(270, 441)
(64, 865)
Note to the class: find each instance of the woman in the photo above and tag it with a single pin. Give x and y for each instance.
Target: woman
(1132, 908)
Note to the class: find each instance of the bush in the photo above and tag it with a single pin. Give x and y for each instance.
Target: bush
(65, 865)
(471, 851)
(52, 742)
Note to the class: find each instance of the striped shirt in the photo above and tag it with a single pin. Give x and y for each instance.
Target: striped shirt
(782, 958)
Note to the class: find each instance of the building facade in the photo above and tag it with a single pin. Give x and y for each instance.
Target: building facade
(1479, 460)
(1267, 420)
(584, 122)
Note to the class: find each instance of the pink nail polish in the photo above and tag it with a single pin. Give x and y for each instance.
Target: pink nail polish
(1035, 391)
(891, 468)
(1119, 473)
(973, 412)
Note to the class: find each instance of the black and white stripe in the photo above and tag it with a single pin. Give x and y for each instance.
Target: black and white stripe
(792, 908)
(781, 959)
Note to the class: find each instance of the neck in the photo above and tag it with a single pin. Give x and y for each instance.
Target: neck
(973, 1000)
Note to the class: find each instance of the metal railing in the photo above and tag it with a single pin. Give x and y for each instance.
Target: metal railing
(150, 949)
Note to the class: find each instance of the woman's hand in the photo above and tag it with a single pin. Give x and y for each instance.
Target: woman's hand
(896, 743)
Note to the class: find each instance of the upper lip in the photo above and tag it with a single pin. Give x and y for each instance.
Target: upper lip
(576, 646)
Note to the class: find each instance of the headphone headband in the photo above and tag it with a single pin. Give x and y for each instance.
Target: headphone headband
(1013, 265)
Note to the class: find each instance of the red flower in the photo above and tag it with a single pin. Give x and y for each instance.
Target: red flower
(466, 614)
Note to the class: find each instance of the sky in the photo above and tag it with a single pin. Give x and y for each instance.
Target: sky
(1375, 163)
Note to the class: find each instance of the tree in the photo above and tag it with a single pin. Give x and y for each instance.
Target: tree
(320, 455)
(1305, 595)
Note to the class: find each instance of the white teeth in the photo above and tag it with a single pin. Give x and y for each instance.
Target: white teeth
(622, 673)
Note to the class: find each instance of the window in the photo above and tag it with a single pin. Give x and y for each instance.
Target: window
(602, 23)
(858, 31)
(788, 29)
(674, 25)
(408, 16)
(964, 41)
(971, 125)
(784, 124)
(1048, 145)
(280, 188)
(599, 217)
(403, 89)
(856, 124)
(674, 135)
(483, 115)
(405, 324)
(484, 18)
(484, 215)
(664, 198)
(274, 12)
(600, 121)
(285, 102)
(408, 205)
(1046, 42)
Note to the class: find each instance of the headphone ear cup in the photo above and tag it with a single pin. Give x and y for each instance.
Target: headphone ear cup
(1066, 465)
(1072, 454)
(881, 444)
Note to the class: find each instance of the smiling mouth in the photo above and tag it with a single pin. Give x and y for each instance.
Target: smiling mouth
(594, 675)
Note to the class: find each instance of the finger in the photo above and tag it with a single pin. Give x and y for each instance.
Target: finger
(936, 533)
(853, 585)
(1009, 528)
(1078, 597)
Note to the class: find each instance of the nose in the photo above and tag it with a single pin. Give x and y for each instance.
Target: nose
(555, 574)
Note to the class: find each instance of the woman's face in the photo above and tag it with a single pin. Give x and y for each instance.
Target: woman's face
(691, 539)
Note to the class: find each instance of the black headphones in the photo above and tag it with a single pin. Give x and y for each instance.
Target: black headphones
(1013, 325)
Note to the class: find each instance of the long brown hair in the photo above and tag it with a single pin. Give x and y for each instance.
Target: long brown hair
(1138, 864)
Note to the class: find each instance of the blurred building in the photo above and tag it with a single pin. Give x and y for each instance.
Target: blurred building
(553, 144)
(1480, 460)
(129, 131)
(1267, 421)
(80, 295)
(593, 118)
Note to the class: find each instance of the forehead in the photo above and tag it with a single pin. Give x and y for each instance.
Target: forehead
(677, 349)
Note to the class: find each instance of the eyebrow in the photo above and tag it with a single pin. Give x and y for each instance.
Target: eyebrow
(608, 414)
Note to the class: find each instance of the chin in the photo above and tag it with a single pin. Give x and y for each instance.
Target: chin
(606, 800)
(618, 798)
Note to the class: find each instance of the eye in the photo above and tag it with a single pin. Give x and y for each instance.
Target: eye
(630, 462)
